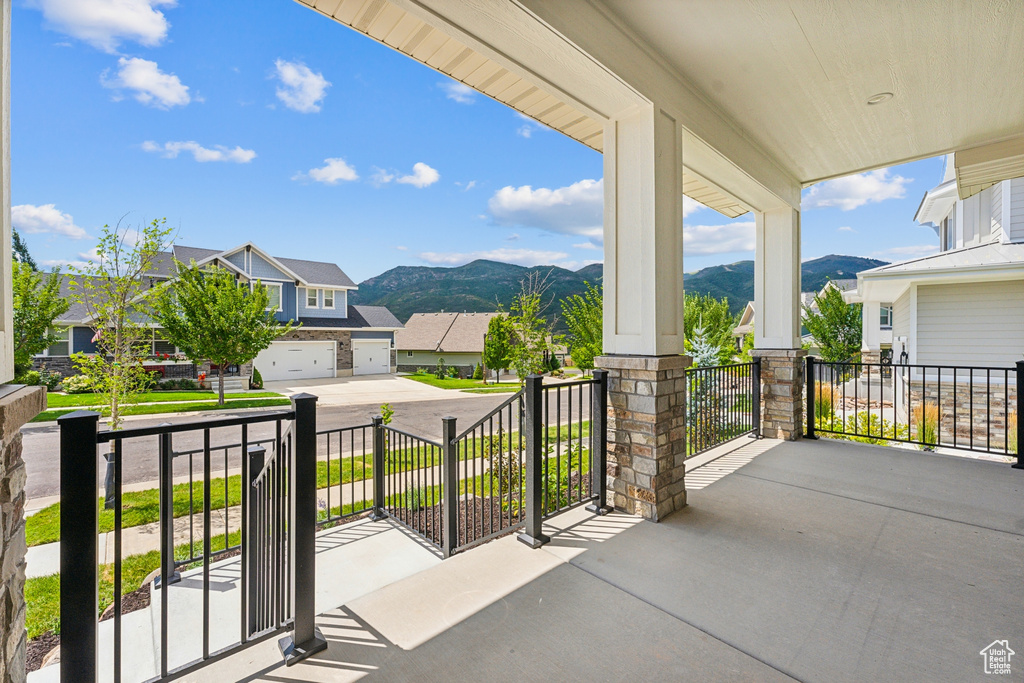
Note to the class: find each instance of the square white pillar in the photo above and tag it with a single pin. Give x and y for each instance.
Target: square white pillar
(643, 234)
(777, 279)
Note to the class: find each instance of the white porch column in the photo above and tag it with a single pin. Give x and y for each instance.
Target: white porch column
(643, 312)
(777, 322)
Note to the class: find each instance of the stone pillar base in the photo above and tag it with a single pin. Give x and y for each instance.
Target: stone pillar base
(782, 393)
(18, 405)
(646, 433)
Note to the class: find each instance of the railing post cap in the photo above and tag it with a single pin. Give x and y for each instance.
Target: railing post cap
(449, 418)
(303, 397)
(377, 419)
(78, 415)
(256, 448)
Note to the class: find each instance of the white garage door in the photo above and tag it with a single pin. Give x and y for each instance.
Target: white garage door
(371, 357)
(296, 360)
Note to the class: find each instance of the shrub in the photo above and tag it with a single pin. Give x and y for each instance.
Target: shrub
(880, 430)
(553, 363)
(31, 378)
(417, 500)
(52, 380)
(478, 372)
(77, 384)
(441, 371)
(453, 372)
(257, 379)
(421, 371)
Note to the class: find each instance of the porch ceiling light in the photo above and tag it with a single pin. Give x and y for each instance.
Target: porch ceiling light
(879, 98)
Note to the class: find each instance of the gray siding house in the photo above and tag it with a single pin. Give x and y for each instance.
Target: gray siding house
(335, 339)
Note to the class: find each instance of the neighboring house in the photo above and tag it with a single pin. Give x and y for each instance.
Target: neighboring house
(458, 338)
(965, 304)
(335, 339)
(807, 299)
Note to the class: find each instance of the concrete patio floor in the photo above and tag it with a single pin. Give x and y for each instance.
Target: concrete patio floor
(816, 561)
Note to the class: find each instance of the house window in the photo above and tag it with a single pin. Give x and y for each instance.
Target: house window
(161, 345)
(274, 292)
(311, 298)
(62, 347)
(885, 316)
(409, 354)
(328, 298)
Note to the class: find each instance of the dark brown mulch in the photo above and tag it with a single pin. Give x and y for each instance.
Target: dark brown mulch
(39, 647)
(130, 602)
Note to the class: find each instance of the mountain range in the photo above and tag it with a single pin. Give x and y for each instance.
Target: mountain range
(480, 286)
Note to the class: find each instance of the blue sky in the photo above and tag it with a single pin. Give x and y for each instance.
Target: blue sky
(279, 126)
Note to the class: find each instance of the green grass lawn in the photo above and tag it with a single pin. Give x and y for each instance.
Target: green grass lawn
(143, 507)
(160, 409)
(79, 400)
(449, 383)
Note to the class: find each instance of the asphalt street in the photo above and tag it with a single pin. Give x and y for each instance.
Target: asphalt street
(423, 418)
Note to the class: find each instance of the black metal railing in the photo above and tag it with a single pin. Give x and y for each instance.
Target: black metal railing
(410, 486)
(568, 444)
(723, 403)
(489, 500)
(346, 487)
(275, 538)
(959, 407)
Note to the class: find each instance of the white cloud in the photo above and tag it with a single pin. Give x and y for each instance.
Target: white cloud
(845, 228)
(576, 265)
(718, 239)
(105, 23)
(421, 176)
(301, 88)
(381, 177)
(691, 206)
(62, 263)
(466, 187)
(333, 170)
(908, 252)
(401, 248)
(573, 210)
(46, 218)
(524, 131)
(513, 237)
(152, 86)
(170, 150)
(856, 190)
(528, 126)
(522, 257)
(462, 94)
(586, 245)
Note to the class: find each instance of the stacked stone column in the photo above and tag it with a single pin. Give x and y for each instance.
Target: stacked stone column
(646, 433)
(17, 406)
(782, 389)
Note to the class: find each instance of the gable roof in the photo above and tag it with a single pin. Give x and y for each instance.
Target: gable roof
(308, 272)
(991, 255)
(444, 332)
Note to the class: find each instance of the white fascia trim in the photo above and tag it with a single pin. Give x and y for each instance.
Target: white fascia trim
(273, 261)
(936, 203)
(1001, 271)
(219, 257)
(351, 329)
(335, 287)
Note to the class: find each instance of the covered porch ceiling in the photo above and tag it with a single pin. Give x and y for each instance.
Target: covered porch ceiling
(789, 82)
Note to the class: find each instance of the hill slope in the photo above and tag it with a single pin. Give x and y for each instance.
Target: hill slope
(480, 285)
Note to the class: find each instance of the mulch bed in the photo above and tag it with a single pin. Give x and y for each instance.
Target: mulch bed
(38, 648)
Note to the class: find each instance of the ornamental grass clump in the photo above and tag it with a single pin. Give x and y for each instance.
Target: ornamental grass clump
(925, 421)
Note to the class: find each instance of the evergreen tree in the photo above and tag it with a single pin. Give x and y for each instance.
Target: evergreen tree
(19, 250)
(712, 316)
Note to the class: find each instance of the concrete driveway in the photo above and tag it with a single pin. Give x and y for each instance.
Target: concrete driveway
(375, 389)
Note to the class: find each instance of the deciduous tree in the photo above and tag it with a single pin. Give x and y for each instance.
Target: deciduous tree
(835, 325)
(584, 318)
(37, 303)
(115, 290)
(210, 315)
(497, 345)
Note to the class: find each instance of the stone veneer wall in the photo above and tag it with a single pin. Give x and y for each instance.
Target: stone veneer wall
(782, 389)
(646, 433)
(16, 408)
(992, 410)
